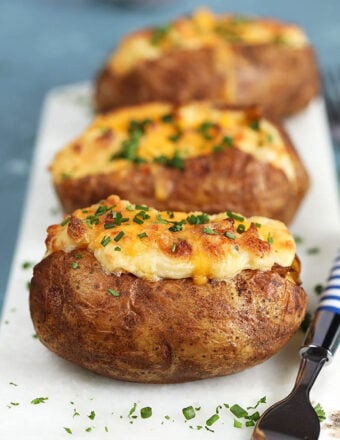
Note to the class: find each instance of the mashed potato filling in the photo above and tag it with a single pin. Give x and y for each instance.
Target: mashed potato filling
(154, 245)
(159, 133)
(202, 29)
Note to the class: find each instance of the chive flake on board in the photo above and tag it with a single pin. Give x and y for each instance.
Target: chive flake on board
(189, 412)
(39, 400)
(119, 236)
(146, 412)
(92, 415)
(209, 231)
(213, 419)
(105, 241)
(68, 430)
(320, 412)
(75, 265)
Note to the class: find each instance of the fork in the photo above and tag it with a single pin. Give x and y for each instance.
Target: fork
(331, 88)
(294, 418)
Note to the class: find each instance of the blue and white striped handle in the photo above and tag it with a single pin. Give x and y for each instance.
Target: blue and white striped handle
(330, 299)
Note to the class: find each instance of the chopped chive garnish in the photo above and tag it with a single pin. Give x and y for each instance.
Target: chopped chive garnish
(68, 430)
(270, 138)
(313, 250)
(101, 210)
(167, 118)
(162, 220)
(138, 220)
(63, 223)
(270, 239)
(209, 231)
(234, 216)
(212, 419)
(238, 411)
(298, 239)
(255, 125)
(26, 265)
(132, 409)
(119, 236)
(198, 219)
(146, 412)
(240, 229)
(109, 225)
(105, 241)
(170, 214)
(142, 235)
(75, 265)
(130, 208)
(38, 400)
(92, 415)
(89, 429)
(258, 225)
(174, 137)
(173, 247)
(237, 424)
(117, 249)
(262, 400)
(177, 226)
(189, 412)
(230, 235)
(250, 423)
(113, 292)
(142, 207)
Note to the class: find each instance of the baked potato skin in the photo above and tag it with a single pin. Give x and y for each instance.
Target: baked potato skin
(280, 79)
(161, 332)
(230, 179)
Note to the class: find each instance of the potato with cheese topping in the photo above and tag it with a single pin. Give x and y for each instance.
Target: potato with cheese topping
(239, 60)
(153, 296)
(199, 156)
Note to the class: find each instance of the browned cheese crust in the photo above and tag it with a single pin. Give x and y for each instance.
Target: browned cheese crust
(230, 179)
(280, 79)
(161, 332)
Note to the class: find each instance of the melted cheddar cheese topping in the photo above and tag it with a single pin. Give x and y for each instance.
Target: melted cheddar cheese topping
(161, 134)
(202, 29)
(155, 245)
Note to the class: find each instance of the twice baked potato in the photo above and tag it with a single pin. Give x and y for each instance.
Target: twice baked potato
(199, 156)
(240, 60)
(147, 296)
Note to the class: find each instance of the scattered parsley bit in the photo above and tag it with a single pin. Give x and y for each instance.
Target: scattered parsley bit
(175, 137)
(320, 412)
(132, 410)
(240, 229)
(209, 231)
(106, 429)
(146, 412)
(199, 219)
(75, 413)
(313, 250)
(89, 429)
(318, 289)
(189, 412)
(28, 285)
(167, 417)
(138, 220)
(142, 207)
(92, 415)
(75, 265)
(113, 292)
(239, 218)
(13, 384)
(35, 336)
(68, 430)
(212, 419)
(38, 400)
(142, 235)
(119, 236)
(173, 247)
(15, 403)
(270, 239)
(27, 264)
(117, 249)
(230, 235)
(64, 222)
(306, 322)
(130, 208)
(101, 210)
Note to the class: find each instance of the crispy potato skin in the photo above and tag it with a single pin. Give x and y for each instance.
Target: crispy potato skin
(230, 179)
(279, 79)
(161, 332)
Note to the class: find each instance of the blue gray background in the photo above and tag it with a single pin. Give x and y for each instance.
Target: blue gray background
(44, 43)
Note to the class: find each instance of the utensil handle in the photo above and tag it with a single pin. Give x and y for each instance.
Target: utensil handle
(324, 331)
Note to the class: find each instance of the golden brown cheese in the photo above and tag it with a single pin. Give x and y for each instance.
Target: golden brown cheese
(155, 245)
(203, 29)
(161, 133)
